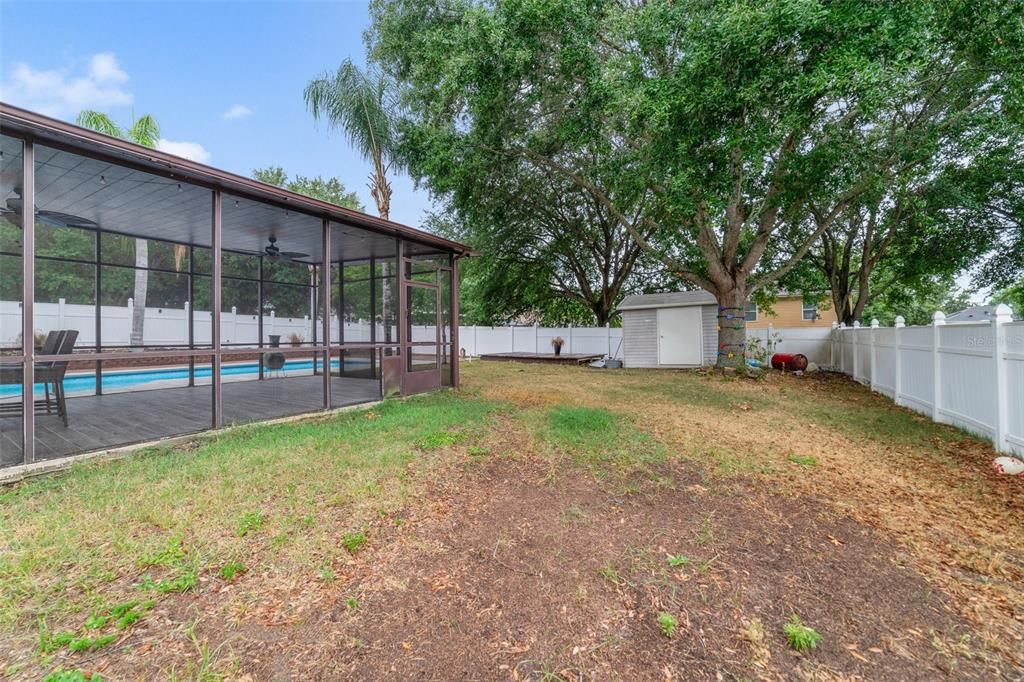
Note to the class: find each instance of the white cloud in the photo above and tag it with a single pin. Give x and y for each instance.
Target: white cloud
(237, 111)
(188, 150)
(103, 68)
(60, 92)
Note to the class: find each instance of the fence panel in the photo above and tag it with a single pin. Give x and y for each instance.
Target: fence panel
(863, 361)
(1013, 360)
(476, 341)
(917, 380)
(968, 374)
(967, 391)
(885, 361)
(524, 340)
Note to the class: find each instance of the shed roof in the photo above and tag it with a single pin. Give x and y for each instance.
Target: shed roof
(672, 299)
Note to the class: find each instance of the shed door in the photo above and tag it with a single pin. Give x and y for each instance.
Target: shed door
(679, 336)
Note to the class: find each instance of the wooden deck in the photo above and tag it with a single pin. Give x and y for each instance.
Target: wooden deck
(100, 422)
(551, 358)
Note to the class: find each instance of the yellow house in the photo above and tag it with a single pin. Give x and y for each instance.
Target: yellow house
(790, 311)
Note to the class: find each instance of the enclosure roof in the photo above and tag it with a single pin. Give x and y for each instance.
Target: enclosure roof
(69, 137)
(673, 299)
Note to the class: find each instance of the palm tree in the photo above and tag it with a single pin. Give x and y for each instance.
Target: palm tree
(145, 131)
(364, 106)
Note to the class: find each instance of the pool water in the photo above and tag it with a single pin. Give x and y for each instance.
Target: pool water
(79, 383)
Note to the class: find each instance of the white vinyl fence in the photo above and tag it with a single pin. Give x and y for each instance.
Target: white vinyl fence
(169, 326)
(478, 341)
(812, 342)
(967, 374)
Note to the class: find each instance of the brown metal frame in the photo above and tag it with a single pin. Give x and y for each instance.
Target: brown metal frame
(421, 381)
(31, 128)
(28, 296)
(18, 122)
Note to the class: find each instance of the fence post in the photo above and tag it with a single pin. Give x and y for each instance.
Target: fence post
(897, 388)
(842, 342)
(832, 344)
(188, 304)
(476, 349)
(512, 328)
(608, 337)
(234, 324)
(874, 351)
(938, 320)
(1002, 315)
(60, 312)
(856, 359)
(273, 322)
(536, 338)
(570, 338)
(131, 312)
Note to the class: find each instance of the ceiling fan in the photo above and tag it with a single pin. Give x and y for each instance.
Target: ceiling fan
(273, 252)
(12, 209)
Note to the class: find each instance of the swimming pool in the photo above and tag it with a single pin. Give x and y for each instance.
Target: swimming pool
(123, 379)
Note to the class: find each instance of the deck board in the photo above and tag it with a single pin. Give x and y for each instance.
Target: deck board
(115, 419)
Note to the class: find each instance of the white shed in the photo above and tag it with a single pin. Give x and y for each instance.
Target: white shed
(677, 329)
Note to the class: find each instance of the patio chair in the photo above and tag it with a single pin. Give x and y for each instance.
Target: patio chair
(53, 372)
(274, 362)
(58, 342)
(51, 346)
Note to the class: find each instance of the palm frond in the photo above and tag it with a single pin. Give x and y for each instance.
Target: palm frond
(145, 131)
(100, 122)
(356, 103)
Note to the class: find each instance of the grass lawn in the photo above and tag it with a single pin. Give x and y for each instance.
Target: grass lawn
(540, 523)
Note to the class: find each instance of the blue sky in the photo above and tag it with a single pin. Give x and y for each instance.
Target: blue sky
(224, 79)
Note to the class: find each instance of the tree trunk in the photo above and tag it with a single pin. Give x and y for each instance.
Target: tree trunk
(141, 285)
(732, 328)
(380, 189)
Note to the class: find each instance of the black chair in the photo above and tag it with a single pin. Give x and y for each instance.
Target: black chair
(51, 346)
(53, 373)
(58, 342)
(274, 362)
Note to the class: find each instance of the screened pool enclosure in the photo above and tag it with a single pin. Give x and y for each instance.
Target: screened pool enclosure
(154, 297)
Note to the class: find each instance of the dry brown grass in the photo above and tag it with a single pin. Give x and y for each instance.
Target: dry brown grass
(927, 486)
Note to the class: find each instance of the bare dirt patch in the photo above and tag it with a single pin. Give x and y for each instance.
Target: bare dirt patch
(513, 573)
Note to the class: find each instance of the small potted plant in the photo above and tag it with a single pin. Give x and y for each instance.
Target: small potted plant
(557, 344)
(296, 339)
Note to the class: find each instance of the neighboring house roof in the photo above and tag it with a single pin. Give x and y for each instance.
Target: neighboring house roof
(673, 299)
(978, 313)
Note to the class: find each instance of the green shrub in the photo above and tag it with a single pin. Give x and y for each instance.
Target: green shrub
(799, 636)
(668, 623)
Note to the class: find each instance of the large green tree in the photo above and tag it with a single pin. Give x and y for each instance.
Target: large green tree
(932, 226)
(331, 190)
(549, 252)
(744, 130)
(917, 302)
